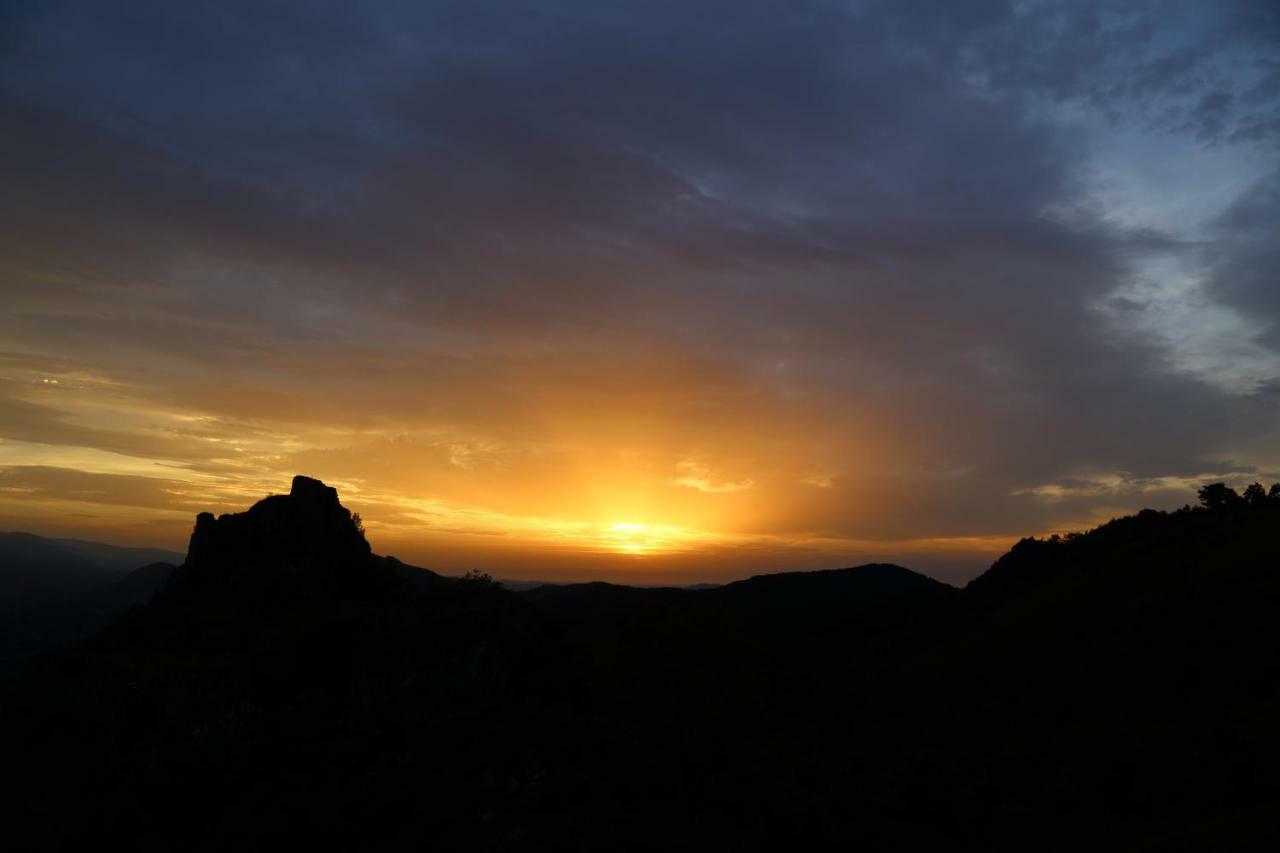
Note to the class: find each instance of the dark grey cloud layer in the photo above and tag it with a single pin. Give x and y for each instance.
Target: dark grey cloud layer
(1246, 255)
(863, 216)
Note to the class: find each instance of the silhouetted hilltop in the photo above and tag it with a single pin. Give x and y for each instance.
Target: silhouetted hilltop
(784, 604)
(602, 598)
(1216, 541)
(304, 543)
(793, 602)
(300, 556)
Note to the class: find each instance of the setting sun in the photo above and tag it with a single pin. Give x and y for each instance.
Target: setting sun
(640, 539)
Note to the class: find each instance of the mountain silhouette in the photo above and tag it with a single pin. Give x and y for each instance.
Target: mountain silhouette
(304, 544)
(1113, 690)
(118, 558)
(36, 570)
(766, 609)
(57, 591)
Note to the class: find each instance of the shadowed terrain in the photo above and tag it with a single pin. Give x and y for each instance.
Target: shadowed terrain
(37, 570)
(1109, 690)
(55, 591)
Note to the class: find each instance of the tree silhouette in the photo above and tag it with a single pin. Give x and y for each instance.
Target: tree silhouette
(479, 578)
(1255, 494)
(1218, 496)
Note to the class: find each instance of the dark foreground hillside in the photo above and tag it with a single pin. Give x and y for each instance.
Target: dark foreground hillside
(1115, 690)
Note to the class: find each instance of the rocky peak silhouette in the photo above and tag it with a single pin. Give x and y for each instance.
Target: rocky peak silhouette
(303, 543)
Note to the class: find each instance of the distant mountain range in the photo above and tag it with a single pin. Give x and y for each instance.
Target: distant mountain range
(39, 570)
(55, 591)
(1114, 690)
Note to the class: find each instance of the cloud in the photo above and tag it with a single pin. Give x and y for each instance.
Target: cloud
(692, 475)
(1245, 259)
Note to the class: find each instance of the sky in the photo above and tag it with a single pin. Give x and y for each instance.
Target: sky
(650, 292)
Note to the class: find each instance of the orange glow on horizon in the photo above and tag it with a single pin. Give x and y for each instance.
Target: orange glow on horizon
(571, 490)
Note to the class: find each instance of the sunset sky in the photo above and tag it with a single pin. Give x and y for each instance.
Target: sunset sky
(648, 292)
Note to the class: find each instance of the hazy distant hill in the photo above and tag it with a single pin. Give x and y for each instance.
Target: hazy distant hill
(1115, 690)
(52, 592)
(118, 558)
(781, 605)
(37, 570)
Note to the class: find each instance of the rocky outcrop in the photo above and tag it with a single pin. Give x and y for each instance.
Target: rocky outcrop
(304, 543)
